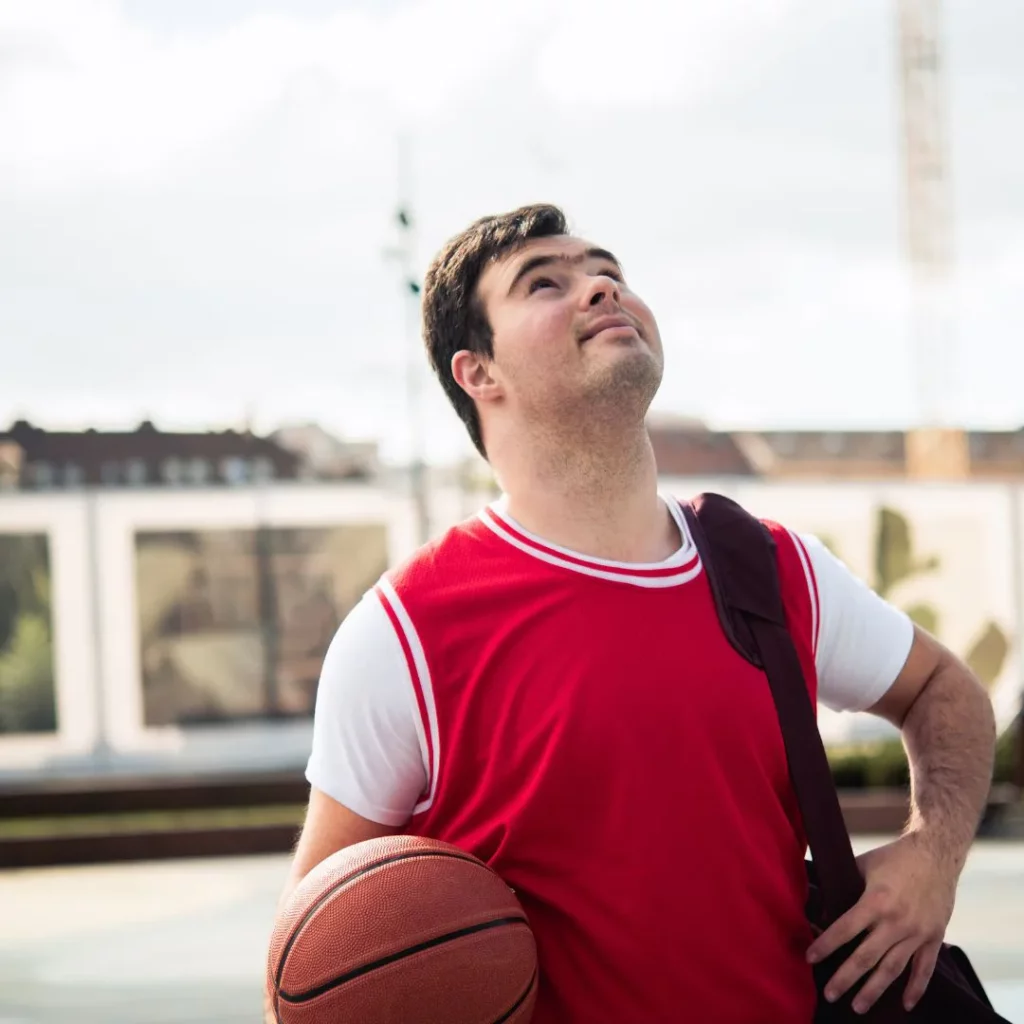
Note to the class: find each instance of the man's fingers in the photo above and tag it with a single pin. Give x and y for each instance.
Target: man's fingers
(924, 967)
(863, 959)
(856, 920)
(888, 970)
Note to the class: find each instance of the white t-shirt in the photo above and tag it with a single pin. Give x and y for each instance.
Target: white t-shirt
(370, 751)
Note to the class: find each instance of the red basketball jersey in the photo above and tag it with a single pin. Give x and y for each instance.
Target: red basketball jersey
(591, 735)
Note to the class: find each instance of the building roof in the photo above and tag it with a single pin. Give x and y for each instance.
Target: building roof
(686, 448)
(1002, 449)
(325, 456)
(828, 445)
(91, 449)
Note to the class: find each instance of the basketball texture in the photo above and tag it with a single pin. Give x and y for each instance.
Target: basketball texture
(402, 930)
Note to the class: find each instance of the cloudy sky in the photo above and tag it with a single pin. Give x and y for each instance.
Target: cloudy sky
(196, 198)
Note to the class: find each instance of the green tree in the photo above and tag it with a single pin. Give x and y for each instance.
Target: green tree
(27, 701)
(896, 562)
(26, 679)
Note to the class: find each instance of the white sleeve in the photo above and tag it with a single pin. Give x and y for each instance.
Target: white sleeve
(863, 641)
(366, 750)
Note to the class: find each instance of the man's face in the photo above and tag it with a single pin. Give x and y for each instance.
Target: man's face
(570, 339)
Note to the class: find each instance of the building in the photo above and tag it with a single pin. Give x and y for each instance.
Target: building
(322, 456)
(10, 465)
(868, 454)
(996, 455)
(32, 458)
(688, 448)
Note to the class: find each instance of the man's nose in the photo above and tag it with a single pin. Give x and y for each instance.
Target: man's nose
(601, 288)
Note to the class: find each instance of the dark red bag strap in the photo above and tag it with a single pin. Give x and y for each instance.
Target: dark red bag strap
(739, 559)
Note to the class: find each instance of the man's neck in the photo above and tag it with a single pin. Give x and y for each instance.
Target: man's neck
(602, 501)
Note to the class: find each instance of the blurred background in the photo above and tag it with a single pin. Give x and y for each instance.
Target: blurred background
(217, 425)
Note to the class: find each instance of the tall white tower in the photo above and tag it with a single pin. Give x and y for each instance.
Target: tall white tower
(936, 448)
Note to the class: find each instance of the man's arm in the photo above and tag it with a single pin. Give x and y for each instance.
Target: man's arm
(948, 728)
(366, 767)
(329, 827)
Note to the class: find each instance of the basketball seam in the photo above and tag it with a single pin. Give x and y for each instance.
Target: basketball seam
(401, 954)
(519, 1002)
(342, 882)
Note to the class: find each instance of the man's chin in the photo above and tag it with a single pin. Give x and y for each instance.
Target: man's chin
(631, 378)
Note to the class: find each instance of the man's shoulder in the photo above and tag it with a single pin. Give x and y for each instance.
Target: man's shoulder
(463, 555)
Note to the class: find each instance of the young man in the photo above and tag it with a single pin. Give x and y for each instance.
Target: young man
(547, 687)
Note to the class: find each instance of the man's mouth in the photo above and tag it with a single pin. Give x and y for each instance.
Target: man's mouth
(605, 323)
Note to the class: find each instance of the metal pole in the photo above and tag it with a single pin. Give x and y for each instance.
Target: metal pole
(414, 354)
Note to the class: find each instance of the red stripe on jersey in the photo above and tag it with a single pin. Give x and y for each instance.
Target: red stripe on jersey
(812, 583)
(609, 567)
(799, 597)
(414, 675)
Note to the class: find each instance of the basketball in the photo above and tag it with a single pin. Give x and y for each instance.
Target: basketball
(402, 930)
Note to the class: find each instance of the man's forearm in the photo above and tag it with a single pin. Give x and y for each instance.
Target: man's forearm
(949, 733)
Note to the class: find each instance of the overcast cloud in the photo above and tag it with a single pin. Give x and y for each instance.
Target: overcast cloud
(195, 198)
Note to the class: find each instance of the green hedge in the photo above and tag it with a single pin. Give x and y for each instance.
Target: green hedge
(884, 764)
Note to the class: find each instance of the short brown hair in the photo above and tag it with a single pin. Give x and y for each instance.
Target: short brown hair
(453, 316)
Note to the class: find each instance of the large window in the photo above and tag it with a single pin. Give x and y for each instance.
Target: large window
(27, 697)
(234, 624)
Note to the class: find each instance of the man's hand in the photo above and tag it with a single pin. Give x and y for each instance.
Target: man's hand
(904, 912)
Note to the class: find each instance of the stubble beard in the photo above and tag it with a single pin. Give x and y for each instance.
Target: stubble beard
(618, 395)
(604, 419)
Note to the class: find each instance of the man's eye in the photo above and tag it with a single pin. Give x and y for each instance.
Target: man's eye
(540, 282)
(613, 272)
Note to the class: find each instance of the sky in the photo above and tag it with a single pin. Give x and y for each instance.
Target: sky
(197, 201)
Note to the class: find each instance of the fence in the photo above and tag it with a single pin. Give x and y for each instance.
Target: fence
(183, 630)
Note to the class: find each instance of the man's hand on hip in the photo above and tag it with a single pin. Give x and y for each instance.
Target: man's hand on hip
(903, 915)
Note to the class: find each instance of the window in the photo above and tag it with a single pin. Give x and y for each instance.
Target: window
(262, 469)
(235, 470)
(198, 471)
(173, 471)
(42, 474)
(110, 473)
(135, 472)
(209, 584)
(27, 637)
(74, 475)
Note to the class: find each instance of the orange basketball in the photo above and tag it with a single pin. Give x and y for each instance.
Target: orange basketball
(402, 930)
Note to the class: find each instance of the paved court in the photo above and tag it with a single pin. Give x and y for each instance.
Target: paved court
(184, 942)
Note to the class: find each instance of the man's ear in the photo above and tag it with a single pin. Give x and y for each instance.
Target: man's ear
(474, 374)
